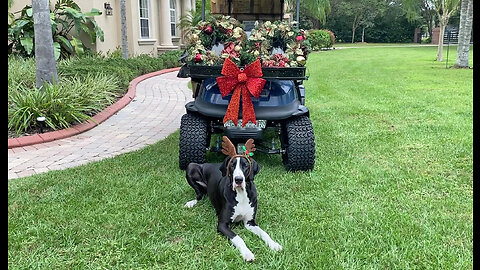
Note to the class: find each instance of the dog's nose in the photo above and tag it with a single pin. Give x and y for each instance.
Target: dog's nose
(238, 179)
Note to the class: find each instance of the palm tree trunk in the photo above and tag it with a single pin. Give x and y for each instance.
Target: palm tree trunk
(45, 65)
(464, 34)
(123, 18)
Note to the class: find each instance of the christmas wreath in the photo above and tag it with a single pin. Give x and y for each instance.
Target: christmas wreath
(276, 44)
(226, 31)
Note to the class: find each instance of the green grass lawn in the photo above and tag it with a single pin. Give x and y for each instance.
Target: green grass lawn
(359, 44)
(392, 186)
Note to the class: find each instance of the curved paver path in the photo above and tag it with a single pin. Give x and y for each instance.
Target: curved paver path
(152, 115)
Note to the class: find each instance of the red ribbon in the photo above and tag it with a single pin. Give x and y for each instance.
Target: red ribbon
(244, 82)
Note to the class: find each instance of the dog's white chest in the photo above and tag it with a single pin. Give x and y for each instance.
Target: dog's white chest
(243, 210)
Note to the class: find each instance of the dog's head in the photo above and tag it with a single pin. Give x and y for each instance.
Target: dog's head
(240, 169)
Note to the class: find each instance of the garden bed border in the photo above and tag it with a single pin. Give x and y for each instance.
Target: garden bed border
(89, 124)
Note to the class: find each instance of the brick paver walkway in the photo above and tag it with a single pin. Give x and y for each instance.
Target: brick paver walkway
(151, 116)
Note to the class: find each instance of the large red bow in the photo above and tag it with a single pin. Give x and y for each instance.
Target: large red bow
(245, 82)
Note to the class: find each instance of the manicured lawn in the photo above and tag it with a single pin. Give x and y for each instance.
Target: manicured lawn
(392, 186)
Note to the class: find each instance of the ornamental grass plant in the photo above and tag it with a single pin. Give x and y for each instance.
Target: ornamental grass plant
(86, 86)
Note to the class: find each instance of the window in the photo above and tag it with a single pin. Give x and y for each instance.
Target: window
(173, 18)
(144, 20)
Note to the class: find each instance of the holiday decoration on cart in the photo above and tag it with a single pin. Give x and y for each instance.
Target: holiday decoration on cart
(276, 44)
(245, 83)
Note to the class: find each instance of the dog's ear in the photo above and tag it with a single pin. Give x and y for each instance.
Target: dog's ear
(223, 166)
(255, 168)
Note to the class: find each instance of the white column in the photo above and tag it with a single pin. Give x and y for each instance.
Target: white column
(186, 7)
(192, 4)
(165, 36)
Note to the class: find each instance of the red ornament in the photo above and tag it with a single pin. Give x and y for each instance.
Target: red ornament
(208, 30)
(242, 82)
(198, 58)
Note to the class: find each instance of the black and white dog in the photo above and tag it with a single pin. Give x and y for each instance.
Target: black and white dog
(231, 189)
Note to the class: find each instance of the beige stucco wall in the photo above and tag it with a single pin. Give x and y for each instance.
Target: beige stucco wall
(111, 25)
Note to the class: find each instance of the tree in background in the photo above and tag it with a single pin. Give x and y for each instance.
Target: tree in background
(420, 12)
(464, 34)
(361, 13)
(371, 9)
(444, 9)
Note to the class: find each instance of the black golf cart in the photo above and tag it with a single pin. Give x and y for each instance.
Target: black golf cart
(280, 112)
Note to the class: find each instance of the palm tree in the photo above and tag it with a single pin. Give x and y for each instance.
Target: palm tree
(123, 18)
(191, 19)
(464, 34)
(46, 68)
(317, 9)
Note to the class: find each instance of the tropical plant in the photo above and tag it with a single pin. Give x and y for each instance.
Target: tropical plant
(191, 19)
(315, 10)
(68, 22)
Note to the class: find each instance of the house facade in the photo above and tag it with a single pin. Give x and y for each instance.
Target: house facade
(152, 25)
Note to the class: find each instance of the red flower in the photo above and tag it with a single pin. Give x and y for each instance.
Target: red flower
(299, 38)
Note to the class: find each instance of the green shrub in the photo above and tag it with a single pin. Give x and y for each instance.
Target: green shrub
(124, 69)
(66, 15)
(320, 39)
(426, 40)
(71, 100)
(21, 70)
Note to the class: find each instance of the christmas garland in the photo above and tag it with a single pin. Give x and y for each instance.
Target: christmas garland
(264, 43)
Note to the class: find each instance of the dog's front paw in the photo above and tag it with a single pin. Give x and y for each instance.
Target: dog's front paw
(190, 204)
(248, 256)
(275, 246)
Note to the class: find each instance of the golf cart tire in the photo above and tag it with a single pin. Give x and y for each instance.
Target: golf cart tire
(193, 140)
(298, 142)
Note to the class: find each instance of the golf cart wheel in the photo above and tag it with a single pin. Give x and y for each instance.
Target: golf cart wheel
(193, 140)
(298, 141)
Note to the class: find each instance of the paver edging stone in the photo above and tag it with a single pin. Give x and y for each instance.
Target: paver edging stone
(95, 121)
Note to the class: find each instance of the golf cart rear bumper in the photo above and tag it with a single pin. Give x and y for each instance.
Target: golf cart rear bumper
(267, 113)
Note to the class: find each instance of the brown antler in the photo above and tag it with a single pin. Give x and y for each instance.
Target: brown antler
(250, 146)
(228, 148)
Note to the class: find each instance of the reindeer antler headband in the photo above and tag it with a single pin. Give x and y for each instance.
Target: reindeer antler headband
(229, 149)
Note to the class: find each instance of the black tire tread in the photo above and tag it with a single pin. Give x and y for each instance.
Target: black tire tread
(299, 143)
(193, 140)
